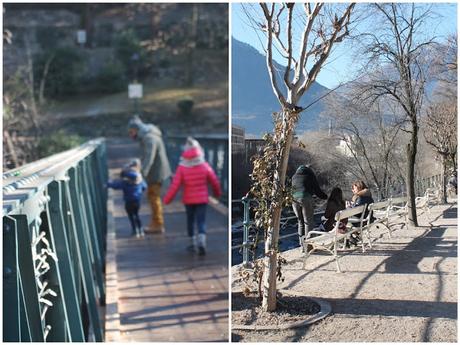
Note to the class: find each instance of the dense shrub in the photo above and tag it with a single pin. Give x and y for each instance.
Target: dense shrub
(129, 51)
(185, 106)
(66, 71)
(110, 79)
(57, 142)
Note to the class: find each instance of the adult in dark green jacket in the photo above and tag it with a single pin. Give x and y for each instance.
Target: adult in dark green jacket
(155, 167)
(304, 186)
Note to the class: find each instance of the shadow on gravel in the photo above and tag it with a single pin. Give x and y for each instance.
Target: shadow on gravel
(394, 308)
(407, 259)
(450, 213)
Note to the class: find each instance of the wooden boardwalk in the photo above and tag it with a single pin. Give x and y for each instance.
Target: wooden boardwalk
(163, 292)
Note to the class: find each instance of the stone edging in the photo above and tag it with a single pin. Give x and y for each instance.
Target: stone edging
(112, 316)
(325, 310)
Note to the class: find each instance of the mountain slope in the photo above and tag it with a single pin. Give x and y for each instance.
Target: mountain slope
(253, 100)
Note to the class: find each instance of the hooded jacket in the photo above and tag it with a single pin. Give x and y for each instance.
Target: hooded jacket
(154, 161)
(304, 184)
(132, 185)
(194, 174)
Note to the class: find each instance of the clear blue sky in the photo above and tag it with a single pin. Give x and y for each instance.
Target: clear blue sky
(340, 66)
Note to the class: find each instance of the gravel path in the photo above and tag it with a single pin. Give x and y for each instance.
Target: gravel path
(402, 290)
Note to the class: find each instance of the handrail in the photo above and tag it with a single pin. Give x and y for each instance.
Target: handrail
(54, 225)
(247, 223)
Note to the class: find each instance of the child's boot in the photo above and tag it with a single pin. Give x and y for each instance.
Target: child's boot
(192, 245)
(201, 244)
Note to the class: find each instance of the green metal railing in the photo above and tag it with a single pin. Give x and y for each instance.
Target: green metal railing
(54, 227)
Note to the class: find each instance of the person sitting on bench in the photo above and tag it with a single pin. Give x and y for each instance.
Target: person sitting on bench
(335, 203)
(361, 196)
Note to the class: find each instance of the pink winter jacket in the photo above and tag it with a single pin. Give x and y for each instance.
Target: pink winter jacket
(195, 180)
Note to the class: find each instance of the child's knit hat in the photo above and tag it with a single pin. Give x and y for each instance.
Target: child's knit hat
(192, 143)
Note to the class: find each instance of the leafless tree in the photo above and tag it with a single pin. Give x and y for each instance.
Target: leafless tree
(20, 109)
(441, 134)
(398, 71)
(445, 67)
(369, 132)
(323, 26)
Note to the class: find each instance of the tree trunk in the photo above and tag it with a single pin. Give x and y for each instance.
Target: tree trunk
(10, 147)
(33, 104)
(443, 179)
(271, 243)
(191, 46)
(41, 92)
(87, 23)
(410, 176)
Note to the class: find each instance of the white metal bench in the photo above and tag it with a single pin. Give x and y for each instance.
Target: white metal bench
(432, 196)
(381, 213)
(399, 208)
(329, 241)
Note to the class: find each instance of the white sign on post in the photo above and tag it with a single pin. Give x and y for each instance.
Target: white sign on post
(81, 36)
(135, 91)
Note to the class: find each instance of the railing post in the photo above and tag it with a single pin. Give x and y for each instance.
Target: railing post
(11, 295)
(90, 228)
(84, 250)
(32, 329)
(53, 316)
(224, 180)
(66, 274)
(246, 223)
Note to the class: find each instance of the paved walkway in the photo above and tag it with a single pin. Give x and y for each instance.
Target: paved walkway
(164, 292)
(403, 290)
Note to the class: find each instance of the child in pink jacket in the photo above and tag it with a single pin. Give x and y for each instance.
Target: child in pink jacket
(194, 174)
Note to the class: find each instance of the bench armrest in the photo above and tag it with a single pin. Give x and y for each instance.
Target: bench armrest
(354, 220)
(397, 207)
(313, 232)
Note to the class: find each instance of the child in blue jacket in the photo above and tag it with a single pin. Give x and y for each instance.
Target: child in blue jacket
(133, 185)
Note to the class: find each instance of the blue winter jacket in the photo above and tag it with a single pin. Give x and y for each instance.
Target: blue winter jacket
(131, 191)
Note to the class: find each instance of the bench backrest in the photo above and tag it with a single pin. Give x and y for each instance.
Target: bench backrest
(349, 212)
(379, 205)
(399, 200)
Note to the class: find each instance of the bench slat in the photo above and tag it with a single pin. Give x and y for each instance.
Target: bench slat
(347, 213)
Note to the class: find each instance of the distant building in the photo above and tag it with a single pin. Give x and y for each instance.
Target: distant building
(344, 147)
(252, 147)
(238, 136)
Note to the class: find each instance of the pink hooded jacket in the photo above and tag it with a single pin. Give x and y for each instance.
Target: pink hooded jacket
(194, 173)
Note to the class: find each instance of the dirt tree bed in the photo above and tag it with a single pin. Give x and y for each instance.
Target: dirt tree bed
(247, 310)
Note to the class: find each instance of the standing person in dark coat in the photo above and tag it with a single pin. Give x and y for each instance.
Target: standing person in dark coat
(304, 186)
(155, 167)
